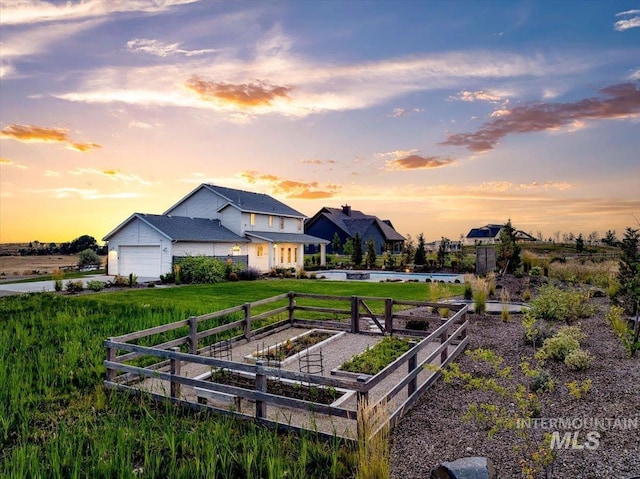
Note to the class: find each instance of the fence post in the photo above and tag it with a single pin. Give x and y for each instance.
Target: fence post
(388, 315)
(413, 363)
(292, 304)
(175, 371)
(261, 386)
(355, 315)
(193, 332)
(444, 354)
(111, 356)
(247, 321)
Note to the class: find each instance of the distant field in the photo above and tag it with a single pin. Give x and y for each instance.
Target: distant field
(29, 265)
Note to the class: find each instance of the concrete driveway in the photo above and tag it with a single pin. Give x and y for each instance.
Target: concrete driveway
(44, 286)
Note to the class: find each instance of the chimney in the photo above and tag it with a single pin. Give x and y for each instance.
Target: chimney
(346, 209)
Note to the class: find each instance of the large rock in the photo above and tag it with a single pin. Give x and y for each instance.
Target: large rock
(465, 468)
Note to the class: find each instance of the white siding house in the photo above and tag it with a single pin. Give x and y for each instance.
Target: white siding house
(252, 228)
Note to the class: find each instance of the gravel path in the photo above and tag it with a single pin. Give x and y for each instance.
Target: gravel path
(433, 430)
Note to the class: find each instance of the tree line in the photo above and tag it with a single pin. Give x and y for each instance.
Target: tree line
(79, 244)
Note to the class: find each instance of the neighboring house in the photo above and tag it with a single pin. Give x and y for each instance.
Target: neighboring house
(347, 222)
(250, 228)
(489, 234)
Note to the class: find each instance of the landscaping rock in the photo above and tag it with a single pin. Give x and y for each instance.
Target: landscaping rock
(465, 468)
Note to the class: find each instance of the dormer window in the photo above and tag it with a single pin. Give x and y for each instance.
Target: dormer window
(253, 219)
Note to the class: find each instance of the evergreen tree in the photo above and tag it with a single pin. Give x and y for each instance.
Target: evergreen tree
(579, 244)
(408, 250)
(610, 238)
(629, 272)
(335, 243)
(348, 247)
(508, 250)
(370, 258)
(420, 257)
(356, 257)
(443, 250)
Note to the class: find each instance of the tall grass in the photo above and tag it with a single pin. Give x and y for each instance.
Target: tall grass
(373, 441)
(601, 274)
(56, 420)
(480, 293)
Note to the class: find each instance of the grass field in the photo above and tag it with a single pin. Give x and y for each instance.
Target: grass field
(57, 421)
(11, 266)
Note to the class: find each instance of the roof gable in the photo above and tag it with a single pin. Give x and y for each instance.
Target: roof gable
(488, 231)
(356, 222)
(183, 228)
(248, 201)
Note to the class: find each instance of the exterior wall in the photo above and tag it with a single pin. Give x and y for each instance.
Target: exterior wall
(264, 262)
(291, 225)
(202, 204)
(137, 233)
(325, 229)
(208, 249)
(231, 218)
(289, 255)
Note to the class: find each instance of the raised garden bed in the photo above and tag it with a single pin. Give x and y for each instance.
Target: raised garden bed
(373, 360)
(281, 387)
(286, 351)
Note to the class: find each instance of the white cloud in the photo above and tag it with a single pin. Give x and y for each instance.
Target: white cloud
(38, 11)
(140, 124)
(85, 194)
(635, 75)
(114, 175)
(480, 95)
(312, 87)
(162, 49)
(626, 24)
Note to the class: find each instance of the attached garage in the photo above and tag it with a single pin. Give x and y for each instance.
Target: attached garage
(140, 260)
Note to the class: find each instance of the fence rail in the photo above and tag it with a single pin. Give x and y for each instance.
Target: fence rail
(451, 334)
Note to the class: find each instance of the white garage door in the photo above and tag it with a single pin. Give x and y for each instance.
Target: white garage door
(140, 260)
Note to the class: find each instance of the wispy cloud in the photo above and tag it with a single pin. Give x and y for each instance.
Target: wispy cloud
(617, 101)
(627, 23)
(417, 162)
(114, 175)
(85, 194)
(480, 95)
(162, 49)
(635, 75)
(398, 112)
(259, 93)
(8, 162)
(37, 11)
(291, 188)
(37, 134)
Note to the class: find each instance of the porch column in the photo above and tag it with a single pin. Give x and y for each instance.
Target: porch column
(323, 254)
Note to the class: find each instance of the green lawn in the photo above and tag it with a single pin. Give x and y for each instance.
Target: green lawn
(57, 421)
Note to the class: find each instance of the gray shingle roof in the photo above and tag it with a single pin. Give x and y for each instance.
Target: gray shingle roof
(489, 231)
(182, 228)
(286, 237)
(254, 202)
(360, 223)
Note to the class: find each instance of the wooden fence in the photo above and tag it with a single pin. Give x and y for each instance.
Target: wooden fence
(451, 334)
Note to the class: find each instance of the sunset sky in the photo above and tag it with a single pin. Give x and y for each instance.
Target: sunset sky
(438, 115)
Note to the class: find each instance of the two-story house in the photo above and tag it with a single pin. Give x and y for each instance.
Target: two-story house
(250, 228)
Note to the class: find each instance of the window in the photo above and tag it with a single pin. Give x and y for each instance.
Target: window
(282, 255)
(281, 222)
(259, 251)
(270, 221)
(299, 225)
(253, 219)
(288, 255)
(295, 255)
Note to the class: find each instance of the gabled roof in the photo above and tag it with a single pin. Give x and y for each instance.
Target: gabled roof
(250, 202)
(357, 222)
(182, 228)
(489, 231)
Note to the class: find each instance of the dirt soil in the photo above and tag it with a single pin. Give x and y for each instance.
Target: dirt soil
(434, 431)
(21, 267)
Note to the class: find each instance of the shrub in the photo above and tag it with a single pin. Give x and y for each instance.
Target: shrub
(554, 304)
(578, 390)
(535, 271)
(233, 276)
(557, 348)
(167, 278)
(133, 280)
(88, 257)
(58, 276)
(578, 360)
(535, 331)
(541, 381)
(120, 281)
(249, 274)
(201, 270)
(74, 286)
(480, 297)
(468, 291)
(95, 285)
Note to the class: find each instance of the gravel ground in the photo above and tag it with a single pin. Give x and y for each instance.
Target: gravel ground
(433, 431)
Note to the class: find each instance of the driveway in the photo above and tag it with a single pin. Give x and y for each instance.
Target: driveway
(43, 286)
